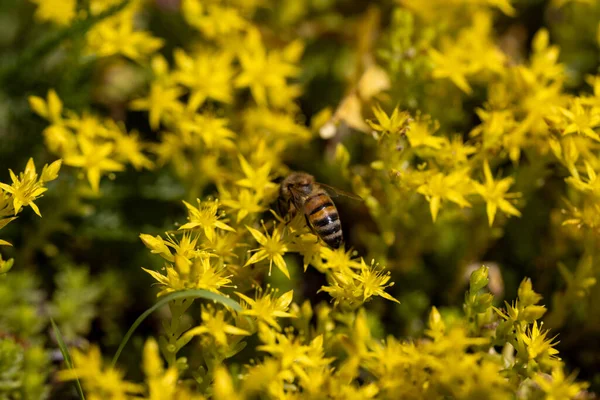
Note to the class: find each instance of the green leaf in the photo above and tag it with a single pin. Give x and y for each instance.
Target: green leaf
(192, 293)
(65, 352)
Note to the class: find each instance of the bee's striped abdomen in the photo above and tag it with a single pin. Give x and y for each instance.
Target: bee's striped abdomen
(324, 219)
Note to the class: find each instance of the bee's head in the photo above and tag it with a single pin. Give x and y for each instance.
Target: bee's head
(299, 183)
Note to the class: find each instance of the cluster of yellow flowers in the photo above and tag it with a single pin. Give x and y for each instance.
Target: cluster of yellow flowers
(308, 365)
(87, 142)
(118, 34)
(22, 192)
(225, 113)
(529, 116)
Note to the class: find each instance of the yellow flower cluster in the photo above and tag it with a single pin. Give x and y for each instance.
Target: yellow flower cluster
(301, 366)
(528, 113)
(96, 146)
(226, 117)
(24, 189)
(105, 382)
(117, 34)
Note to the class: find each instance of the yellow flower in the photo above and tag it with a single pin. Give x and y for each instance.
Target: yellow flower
(272, 247)
(27, 187)
(58, 136)
(213, 20)
(456, 151)
(196, 274)
(452, 187)
(352, 289)
(294, 355)
(581, 120)
(336, 259)
(560, 387)
(186, 247)
(157, 246)
(533, 344)
(495, 125)
(274, 125)
(128, 148)
(420, 134)
(449, 65)
(494, 194)
(207, 75)
(256, 178)
(374, 281)
(162, 100)
(223, 385)
(246, 203)
(50, 109)
(95, 159)
(163, 383)
(205, 216)
(214, 324)
(92, 127)
(61, 12)
(474, 52)
(264, 71)
(266, 307)
(117, 36)
(99, 381)
(588, 215)
(212, 131)
(395, 123)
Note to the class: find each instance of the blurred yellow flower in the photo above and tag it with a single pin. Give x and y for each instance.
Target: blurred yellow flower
(162, 100)
(95, 159)
(163, 382)
(117, 36)
(494, 194)
(264, 71)
(452, 187)
(61, 12)
(213, 20)
(98, 380)
(206, 75)
(558, 386)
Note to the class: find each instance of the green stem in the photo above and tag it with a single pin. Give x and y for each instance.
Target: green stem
(191, 294)
(178, 307)
(33, 53)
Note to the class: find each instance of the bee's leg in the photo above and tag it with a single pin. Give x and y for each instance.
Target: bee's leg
(312, 229)
(283, 208)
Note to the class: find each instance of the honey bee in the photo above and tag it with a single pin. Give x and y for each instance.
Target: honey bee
(299, 191)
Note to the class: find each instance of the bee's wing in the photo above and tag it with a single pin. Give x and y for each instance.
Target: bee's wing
(334, 192)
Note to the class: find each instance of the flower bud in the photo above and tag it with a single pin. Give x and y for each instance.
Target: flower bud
(479, 279)
(5, 266)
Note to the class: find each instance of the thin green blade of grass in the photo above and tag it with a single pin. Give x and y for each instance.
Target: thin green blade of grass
(65, 353)
(193, 293)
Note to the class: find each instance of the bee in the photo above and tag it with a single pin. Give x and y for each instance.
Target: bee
(299, 191)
